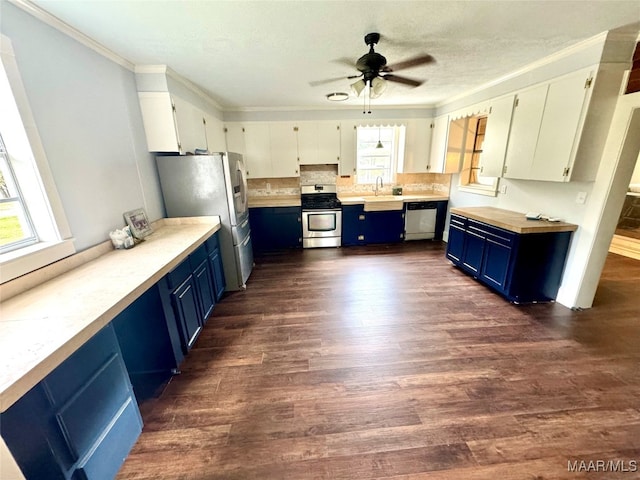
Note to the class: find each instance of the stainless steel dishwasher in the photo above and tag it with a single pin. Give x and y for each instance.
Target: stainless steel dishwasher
(420, 221)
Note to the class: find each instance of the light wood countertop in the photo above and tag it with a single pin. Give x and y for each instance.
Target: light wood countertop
(513, 221)
(44, 325)
(413, 197)
(276, 201)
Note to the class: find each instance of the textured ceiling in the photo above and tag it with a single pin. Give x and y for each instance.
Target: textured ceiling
(263, 54)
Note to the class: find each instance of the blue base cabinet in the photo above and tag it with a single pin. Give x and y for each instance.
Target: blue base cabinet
(81, 421)
(215, 263)
(189, 292)
(522, 267)
(384, 227)
(275, 228)
(151, 359)
(366, 228)
(353, 225)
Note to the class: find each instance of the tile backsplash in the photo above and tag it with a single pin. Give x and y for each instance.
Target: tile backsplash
(312, 174)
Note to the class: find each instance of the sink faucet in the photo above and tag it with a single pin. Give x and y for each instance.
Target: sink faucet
(381, 185)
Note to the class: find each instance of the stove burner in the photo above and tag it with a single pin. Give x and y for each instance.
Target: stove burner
(319, 197)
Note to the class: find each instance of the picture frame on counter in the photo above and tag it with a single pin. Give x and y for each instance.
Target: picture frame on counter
(138, 221)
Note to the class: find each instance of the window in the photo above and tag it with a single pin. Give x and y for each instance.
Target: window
(379, 150)
(471, 178)
(34, 229)
(16, 229)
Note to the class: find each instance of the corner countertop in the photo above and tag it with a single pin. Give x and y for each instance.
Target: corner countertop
(513, 221)
(43, 326)
(413, 197)
(275, 201)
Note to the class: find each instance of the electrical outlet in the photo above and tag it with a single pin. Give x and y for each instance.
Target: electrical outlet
(503, 189)
(581, 198)
(268, 187)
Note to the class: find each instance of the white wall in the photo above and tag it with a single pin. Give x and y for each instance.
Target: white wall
(86, 110)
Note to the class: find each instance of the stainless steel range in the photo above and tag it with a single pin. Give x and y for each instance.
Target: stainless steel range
(321, 216)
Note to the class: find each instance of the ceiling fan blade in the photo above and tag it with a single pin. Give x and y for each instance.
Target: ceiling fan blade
(317, 83)
(345, 61)
(404, 80)
(412, 62)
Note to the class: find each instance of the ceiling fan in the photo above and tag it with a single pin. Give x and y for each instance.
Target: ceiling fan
(374, 70)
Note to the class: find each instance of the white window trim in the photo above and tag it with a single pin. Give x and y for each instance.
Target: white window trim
(54, 232)
(397, 154)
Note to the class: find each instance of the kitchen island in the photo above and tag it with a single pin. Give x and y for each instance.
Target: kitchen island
(50, 332)
(521, 259)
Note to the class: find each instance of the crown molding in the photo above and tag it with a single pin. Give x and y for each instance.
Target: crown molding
(70, 31)
(548, 60)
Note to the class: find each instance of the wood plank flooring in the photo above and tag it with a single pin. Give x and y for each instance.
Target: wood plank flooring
(386, 362)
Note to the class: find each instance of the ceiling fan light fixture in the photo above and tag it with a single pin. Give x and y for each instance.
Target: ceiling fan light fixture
(378, 86)
(337, 96)
(358, 87)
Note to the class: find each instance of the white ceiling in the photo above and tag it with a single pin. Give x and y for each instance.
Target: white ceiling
(263, 54)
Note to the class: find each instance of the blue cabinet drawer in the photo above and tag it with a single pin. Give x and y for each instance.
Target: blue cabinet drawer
(197, 257)
(458, 221)
(119, 438)
(84, 416)
(75, 372)
(212, 243)
(178, 275)
(494, 234)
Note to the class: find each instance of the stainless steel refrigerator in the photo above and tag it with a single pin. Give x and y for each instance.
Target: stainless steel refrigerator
(214, 184)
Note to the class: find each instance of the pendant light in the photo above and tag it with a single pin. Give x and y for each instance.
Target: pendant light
(379, 145)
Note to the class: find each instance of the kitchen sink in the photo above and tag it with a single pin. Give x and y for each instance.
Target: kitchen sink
(383, 202)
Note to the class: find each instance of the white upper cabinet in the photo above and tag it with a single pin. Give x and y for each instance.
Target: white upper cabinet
(234, 138)
(546, 127)
(494, 148)
(525, 126)
(438, 144)
(328, 142)
(318, 142)
(418, 146)
(171, 124)
(258, 149)
(214, 130)
(307, 135)
(348, 147)
(190, 125)
(159, 121)
(561, 124)
(284, 150)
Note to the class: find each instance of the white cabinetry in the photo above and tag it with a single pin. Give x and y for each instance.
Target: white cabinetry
(418, 146)
(318, 142)
(546, 128)
(496, 137)
(440, 131)
(171, 124)
(257, 150)
(234, 138)
(214, 130)
(284, 150)
(328, 142)
(348, 148)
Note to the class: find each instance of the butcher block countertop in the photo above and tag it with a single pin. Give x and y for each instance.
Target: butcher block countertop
(512, 221)
(275, 201)
(413, 197)
(42, 326)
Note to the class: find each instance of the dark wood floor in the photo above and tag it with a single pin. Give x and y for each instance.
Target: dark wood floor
(387, 362)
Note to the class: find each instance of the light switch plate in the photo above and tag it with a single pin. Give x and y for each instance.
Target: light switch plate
(581, 198)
